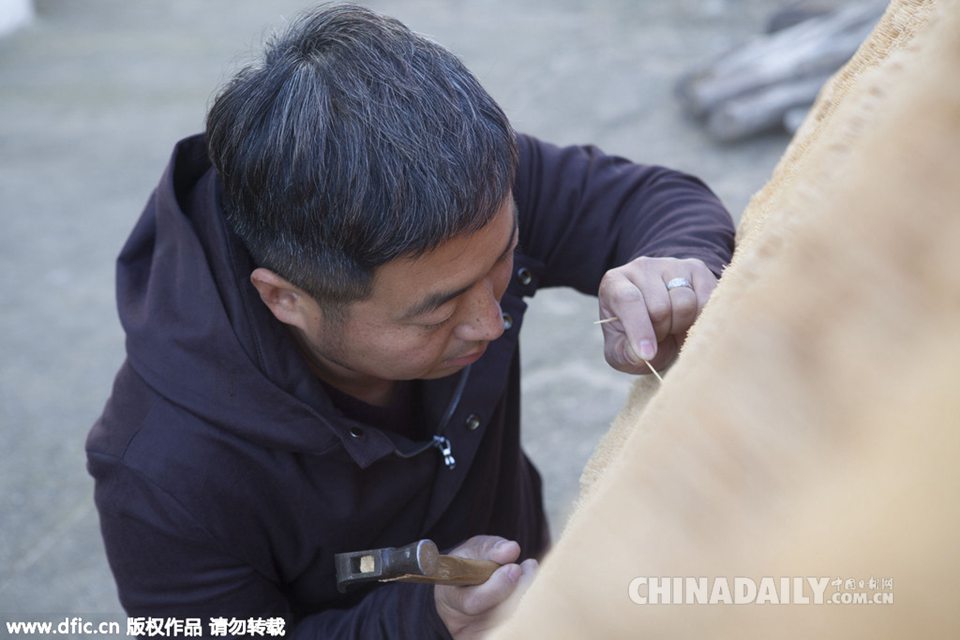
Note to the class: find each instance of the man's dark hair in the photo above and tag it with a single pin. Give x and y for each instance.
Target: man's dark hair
(355, 142)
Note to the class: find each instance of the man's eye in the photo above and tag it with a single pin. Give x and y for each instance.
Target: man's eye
(437, 325)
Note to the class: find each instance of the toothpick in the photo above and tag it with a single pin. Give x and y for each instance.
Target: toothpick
(646, 362)
(650, 366)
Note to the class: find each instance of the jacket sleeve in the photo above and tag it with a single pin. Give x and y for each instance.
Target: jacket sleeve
(166, 566)
(583, 212)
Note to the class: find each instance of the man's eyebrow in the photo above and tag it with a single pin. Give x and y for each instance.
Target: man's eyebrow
(438, 299)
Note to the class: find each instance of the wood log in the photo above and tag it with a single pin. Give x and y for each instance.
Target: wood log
(761, 110)
(810, 49)
(795, 13)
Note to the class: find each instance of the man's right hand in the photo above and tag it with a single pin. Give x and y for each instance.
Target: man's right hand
(470, 612)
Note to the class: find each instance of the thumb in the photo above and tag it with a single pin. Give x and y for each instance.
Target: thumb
(504, 552)
(495, 548)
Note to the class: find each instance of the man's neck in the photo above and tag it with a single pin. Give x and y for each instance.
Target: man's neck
(373, 391)
(380, 394)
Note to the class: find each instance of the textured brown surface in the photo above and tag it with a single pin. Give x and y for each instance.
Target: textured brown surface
(810, 427)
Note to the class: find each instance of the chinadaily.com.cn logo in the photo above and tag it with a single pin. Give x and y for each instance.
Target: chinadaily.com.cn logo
(766, 590)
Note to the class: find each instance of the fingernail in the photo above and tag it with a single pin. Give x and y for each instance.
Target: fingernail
(647, 350)
(514, 572)
(632, 355)
(501, 544)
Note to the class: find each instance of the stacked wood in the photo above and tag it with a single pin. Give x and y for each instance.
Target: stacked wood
(750, 89)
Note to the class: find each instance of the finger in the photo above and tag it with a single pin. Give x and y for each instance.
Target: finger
(646, 318)
(619, 355)
(704, 282)
(496, 548)
(633, 336)
(498, 587)
(667, 351)
(504, 552)
(529, 567)
(659, 307)
(528, 570)
(684, 307)
(501, 584)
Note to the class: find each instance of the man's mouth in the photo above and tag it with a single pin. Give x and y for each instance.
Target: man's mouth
(469, 358)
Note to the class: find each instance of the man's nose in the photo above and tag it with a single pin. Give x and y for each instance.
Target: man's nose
(483, 321)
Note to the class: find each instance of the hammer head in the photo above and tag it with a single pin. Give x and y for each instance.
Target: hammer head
(415, 559)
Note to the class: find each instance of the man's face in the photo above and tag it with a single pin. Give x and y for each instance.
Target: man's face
(427, 317)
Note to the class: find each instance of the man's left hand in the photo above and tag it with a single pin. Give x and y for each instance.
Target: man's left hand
(653, 319)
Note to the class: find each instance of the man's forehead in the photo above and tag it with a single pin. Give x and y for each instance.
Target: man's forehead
(411, 286)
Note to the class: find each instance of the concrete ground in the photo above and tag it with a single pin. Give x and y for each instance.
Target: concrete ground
(94, 94)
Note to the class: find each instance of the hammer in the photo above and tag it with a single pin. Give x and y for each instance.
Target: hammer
(416, 562)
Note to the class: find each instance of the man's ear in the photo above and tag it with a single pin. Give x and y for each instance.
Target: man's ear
(287, 302)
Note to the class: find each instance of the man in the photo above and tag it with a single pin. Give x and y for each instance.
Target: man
(322, 303)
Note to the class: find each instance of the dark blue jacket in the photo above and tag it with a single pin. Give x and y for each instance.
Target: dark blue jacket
(226, 480)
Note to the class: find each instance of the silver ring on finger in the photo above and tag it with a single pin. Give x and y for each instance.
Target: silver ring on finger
(675, 283)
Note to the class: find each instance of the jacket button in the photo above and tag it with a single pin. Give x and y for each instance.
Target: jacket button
(524, 276)
(507, 321)
(356, 432)
(473, 422)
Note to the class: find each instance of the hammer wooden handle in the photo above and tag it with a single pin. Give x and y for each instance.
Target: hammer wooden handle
(454, 570)
(463, 571)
